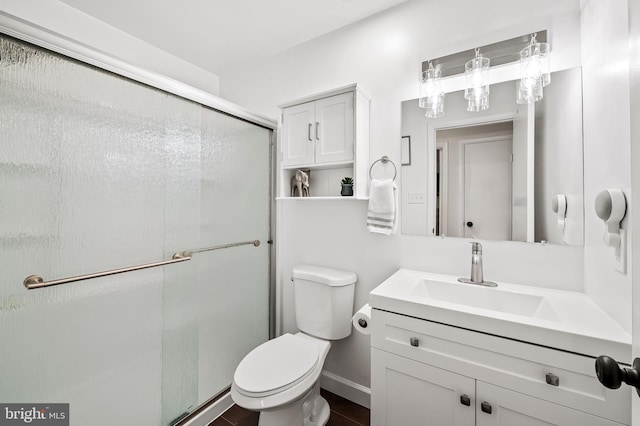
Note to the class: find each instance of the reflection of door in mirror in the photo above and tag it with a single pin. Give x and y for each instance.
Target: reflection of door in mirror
(487, 188)
(474, 185)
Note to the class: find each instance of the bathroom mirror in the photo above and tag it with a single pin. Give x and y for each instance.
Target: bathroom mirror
(512, 172)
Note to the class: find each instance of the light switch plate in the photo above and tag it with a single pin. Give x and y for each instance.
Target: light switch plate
(416, 198)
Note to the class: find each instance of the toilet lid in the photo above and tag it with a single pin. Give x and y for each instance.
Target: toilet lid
(276, 364)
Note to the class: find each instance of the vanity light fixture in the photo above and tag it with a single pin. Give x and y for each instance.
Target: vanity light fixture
(431, 93)
(477, 83)
(535, 72)
(531, 51)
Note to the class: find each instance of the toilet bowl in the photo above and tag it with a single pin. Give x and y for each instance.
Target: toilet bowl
(280, 378)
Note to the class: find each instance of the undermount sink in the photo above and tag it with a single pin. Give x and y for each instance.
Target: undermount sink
(489, 298)
(566, 320)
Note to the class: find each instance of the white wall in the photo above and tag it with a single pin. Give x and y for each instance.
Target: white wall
(384, 54)
(63, 19)
(634, 54)
(606, 145)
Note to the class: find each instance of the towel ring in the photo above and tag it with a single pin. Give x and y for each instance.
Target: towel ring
(384, 160)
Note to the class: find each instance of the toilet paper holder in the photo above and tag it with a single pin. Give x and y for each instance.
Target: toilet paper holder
(361, 319)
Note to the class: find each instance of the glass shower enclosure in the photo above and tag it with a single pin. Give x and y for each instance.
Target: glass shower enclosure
(99, 172)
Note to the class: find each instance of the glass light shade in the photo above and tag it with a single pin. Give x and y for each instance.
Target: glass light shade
(535, 69)
(431, 94)
(434, 106)
(477, 105)
(527, 95)
(477, 78)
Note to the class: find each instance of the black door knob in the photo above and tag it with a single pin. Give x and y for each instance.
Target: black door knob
(611, 375)
(469, 224)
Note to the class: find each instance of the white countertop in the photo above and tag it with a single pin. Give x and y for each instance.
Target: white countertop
(560, 319)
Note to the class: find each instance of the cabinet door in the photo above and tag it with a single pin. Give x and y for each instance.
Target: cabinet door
(298, 137)
(509, 408)
(408, 393)
(334, 131)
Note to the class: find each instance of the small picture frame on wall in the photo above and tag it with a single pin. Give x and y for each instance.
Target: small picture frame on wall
(405, 149)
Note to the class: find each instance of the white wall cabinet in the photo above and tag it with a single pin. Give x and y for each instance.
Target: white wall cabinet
(318, 132)
(298, 142)
(326, 134)
(426, 373)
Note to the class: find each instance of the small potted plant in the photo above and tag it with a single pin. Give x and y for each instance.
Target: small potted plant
(347, 186)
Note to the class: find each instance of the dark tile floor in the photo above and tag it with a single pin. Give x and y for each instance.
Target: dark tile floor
(343, 413)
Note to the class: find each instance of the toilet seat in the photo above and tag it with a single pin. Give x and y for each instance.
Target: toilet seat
(276, 365)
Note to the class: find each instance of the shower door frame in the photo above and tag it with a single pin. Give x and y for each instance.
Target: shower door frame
(23, 30)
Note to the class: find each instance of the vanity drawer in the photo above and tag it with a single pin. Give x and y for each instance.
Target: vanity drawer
(563, 378)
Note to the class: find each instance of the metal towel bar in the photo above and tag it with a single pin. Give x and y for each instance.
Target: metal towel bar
(384, 160)
(36, 281)
(223, 246)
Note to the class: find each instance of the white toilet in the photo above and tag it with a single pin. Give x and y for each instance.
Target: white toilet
(280, 377)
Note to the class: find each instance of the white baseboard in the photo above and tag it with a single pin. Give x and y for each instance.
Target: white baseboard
(346, 388)
(212, 412)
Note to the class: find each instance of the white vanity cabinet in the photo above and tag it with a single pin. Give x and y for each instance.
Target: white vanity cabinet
(510, 408)
(326, 134)
(427, 373)
(410, 393)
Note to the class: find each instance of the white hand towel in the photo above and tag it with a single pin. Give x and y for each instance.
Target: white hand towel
(382, 215)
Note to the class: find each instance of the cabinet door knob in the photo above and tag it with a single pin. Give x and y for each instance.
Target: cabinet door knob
(552, 379)
(309, 132)
(465, 400)
(414, 341)
(485, 407)
(317, 127)
(611, 375)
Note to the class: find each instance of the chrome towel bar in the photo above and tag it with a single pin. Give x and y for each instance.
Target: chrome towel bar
(36, 281)
(187, 253)
(384, 160)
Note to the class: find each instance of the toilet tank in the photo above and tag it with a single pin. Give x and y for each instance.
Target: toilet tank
(323, 300)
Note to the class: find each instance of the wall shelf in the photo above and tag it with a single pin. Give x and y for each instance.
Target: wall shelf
(327, 136)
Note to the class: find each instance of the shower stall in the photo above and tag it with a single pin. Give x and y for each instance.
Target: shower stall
(126, 201)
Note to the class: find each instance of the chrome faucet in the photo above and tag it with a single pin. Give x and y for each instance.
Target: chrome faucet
(476, 268)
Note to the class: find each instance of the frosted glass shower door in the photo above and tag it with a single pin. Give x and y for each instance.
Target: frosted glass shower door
(99, 172)
(220, 312)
